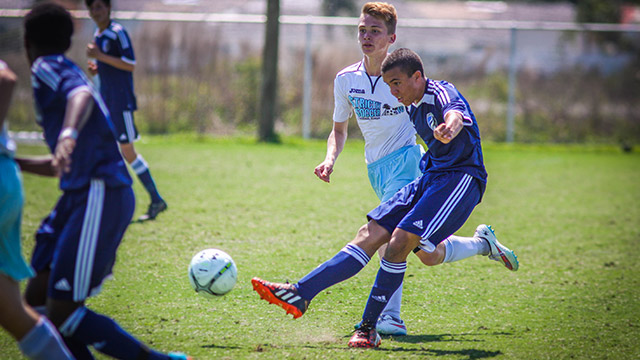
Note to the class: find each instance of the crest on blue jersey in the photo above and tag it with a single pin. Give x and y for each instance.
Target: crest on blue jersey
(432, 121)
(105, 46)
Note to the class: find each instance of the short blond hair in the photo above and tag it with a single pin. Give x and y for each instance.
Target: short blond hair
(383, 11)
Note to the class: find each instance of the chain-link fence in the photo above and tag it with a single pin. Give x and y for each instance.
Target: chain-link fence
(201, 72)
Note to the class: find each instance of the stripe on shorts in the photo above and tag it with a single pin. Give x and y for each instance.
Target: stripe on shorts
(128, 125)
(88, 240)
(448, 206)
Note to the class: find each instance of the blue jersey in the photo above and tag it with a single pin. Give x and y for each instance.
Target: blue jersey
(116, 86)
(464, 152)
(96, 156)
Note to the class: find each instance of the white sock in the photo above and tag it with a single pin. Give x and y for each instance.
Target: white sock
(44, 343)
(393, 306)
(458, 248)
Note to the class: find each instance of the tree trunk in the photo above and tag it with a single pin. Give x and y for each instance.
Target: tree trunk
(269, 94)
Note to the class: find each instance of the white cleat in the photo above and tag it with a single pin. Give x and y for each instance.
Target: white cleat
(388, 325)
(497, 251)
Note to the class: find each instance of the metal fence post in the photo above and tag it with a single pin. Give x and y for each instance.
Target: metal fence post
(512, 87)
(306, 99)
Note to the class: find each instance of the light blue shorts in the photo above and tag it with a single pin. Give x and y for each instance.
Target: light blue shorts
(392, 172)
(12, 263)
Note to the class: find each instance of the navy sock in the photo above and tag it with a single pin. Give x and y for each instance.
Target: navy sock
(141, 168)
(79, 350)
(388, 280)
(105, 335)
(346, 263)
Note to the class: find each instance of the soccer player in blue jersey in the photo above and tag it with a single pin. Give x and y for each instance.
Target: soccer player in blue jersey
(76, 244)
(114, 64)
(37, 338)
(422, 214)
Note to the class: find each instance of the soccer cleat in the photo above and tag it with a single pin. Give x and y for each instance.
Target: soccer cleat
(178, 356)
(154, 209)
(497, 251)
(365, 337)
(284, 295)
(388, 325)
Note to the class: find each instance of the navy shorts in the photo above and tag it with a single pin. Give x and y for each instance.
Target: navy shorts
(126, 131)
(434, 206)
(79, 239)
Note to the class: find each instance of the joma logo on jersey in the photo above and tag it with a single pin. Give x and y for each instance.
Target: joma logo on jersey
(356, 91)
(387, 110)
(366, 109)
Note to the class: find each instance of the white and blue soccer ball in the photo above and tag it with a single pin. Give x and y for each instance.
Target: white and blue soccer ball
(212, 273)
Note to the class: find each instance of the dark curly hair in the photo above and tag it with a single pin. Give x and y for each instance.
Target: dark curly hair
(49, 27)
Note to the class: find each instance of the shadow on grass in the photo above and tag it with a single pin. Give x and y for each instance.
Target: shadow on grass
(416, 339)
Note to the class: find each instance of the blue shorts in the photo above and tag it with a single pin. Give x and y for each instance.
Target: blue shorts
(79, 239)
(390, 173)
(433, 206)
(12, 262)
(126, 131)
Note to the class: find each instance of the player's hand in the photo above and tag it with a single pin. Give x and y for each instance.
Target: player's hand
(324, 170)
(92, 66)
(62, 155)
(445, 133)
(92, 50)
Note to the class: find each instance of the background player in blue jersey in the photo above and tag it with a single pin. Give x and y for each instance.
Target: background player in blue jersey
(390, 148)
(76, 244)
(36, 336)
(114, 64)
(422, 214)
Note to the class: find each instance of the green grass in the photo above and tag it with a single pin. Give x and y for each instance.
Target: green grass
(570, 213)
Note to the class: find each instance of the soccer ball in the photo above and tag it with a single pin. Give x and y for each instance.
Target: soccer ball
(212, 272)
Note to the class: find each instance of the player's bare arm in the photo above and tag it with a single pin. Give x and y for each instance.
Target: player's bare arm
(39, 165)
(335, 145)
(77, 112)
(93, 51)
(451, 127)
(7, 83)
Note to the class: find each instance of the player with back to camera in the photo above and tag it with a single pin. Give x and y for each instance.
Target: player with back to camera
(37, 338)
(391, 152)
(76, 244)
(114, 64)
(422, 214)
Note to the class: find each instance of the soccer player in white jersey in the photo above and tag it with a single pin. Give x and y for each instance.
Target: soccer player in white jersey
(114, 64)
(37, 338)
(390, 148)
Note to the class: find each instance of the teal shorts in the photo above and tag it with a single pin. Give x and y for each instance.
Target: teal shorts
(392, 172)
(12, 262)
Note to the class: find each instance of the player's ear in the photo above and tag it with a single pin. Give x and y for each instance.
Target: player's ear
(392, 39)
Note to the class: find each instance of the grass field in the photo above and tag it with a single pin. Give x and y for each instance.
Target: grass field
(571, 213)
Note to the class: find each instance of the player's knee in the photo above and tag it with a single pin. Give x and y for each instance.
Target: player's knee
(431, 258)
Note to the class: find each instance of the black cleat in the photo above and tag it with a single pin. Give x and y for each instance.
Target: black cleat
(154, 209)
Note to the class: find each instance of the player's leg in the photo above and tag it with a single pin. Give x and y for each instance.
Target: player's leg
(390, 276)
(295, 298)
(36, 337)
(393, 172)
(128, 133)
(456, 248)
(84, 259)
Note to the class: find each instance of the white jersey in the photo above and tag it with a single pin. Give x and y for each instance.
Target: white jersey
(383, 120)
